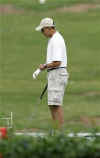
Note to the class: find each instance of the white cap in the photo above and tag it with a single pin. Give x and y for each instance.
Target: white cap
(46, 22)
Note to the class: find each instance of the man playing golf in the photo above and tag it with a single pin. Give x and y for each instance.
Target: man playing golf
(56, 64)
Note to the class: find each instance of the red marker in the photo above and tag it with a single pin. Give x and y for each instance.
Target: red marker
(1, 156)
(3, 132)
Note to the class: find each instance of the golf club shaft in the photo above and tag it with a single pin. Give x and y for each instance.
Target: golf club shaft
(43, 92)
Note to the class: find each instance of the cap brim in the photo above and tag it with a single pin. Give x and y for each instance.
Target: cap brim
(39, 28)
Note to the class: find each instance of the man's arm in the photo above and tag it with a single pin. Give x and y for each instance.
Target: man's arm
(51, 65)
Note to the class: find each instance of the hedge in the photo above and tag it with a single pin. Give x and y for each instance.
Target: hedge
(50, 147)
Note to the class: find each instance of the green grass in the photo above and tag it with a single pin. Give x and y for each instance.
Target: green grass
(22, 50)
(50, 4)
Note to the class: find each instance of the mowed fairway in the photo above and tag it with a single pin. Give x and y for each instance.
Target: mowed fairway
(22, 50)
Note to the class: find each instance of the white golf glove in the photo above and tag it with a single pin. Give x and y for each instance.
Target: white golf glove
(36, 73)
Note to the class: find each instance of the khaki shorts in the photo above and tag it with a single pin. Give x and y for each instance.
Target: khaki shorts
(57, 81)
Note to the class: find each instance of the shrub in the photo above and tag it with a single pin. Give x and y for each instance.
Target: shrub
(50, 147)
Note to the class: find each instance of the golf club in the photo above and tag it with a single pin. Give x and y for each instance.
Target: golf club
(39, 99)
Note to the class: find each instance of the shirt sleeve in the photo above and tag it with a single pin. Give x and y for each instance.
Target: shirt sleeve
(56, 51)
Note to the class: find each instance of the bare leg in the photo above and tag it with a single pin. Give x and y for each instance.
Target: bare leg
(57, 114)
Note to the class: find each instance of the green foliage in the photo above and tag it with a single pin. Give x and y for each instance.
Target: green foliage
(50, 147)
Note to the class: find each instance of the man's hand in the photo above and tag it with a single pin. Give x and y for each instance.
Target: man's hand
(42, 66)
(36, 73)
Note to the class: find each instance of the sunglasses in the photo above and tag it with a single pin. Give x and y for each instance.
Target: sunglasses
(42, 30)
